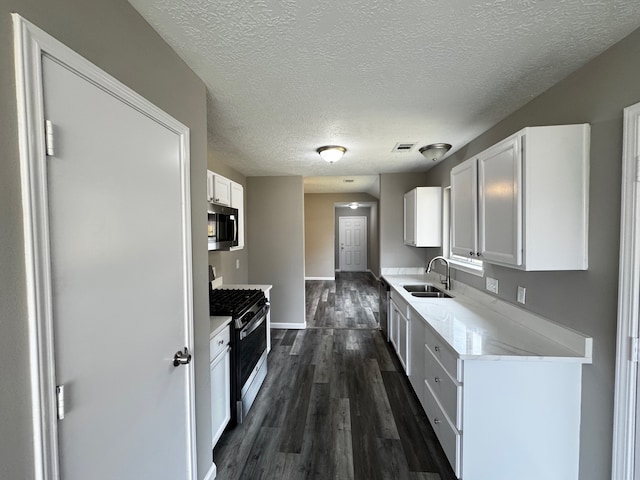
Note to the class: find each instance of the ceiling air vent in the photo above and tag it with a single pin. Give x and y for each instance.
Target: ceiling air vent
(403, 147)
(348, 180)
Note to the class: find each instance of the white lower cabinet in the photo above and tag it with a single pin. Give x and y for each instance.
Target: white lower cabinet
(499, 420)
(220, 371)
(400, 331)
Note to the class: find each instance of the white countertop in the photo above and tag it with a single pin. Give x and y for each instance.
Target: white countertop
(217, 323)
(479, 326)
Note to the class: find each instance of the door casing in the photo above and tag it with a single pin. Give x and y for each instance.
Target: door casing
(626, 422)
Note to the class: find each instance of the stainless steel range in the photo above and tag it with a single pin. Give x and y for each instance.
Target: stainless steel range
(249, 309)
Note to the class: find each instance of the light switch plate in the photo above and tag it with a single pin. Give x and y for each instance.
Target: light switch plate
(522, 292)
(237, 263)
(492, 284)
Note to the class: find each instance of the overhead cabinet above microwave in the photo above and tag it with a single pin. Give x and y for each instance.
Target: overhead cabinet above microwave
(524, 202)
(225, 192)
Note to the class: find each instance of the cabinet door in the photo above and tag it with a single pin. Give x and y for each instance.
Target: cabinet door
(210, 176)
(464, 208)
(220, 369)
(417, 354)
(221, 190)
(237, 201)
(403, 343)
(500, 202)
(393, 325)
(410, 218)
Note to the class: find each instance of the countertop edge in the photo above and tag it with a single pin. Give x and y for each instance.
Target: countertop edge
(217, 324)
(397, 280)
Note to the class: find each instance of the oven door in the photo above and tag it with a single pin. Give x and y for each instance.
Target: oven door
(251, 345)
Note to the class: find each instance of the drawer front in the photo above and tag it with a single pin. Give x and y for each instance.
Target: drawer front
(219, 343)
(402, 305)
(448, 391)
(448, 358)
(448, 435)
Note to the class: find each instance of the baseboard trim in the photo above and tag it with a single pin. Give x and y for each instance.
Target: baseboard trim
(319, 278)
(211, 474)
(374, 275)
(289, 326)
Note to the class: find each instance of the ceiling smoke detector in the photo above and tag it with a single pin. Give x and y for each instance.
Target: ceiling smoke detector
(435, 151)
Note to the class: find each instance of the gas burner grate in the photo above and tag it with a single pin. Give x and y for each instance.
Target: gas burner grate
(232, 301)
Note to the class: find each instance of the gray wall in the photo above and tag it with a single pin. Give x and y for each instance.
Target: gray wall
(393, 252)
(111, 34)
(321, 234)
(585, 301)
(276, 236)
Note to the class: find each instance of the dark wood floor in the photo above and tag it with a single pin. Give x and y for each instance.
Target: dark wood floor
(351, 301)
(335, 405)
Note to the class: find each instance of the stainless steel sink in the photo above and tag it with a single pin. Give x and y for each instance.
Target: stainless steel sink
(431, 294)
(428, 291)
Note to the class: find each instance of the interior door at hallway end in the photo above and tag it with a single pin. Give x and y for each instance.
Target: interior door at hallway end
(120, 270)
(353, 244)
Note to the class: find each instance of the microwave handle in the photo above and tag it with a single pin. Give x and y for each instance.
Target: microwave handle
(235, 229)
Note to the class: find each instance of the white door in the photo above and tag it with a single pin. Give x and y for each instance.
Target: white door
(353, 244)
(117, 227)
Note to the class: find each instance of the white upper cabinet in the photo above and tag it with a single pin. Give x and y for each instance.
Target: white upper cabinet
(500, 203)
(423, 217)
(464, 209)
(532, 195)
(210, 175)
(218, 189)
(237, 201)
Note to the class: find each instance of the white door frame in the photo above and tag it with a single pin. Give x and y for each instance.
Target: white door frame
(626, 401)
(31, 43)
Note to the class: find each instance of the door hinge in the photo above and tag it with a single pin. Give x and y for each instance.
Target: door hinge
(635, 349)
(60, 401)
(48, 135)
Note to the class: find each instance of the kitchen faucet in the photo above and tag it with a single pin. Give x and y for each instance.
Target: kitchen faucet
(447, 281)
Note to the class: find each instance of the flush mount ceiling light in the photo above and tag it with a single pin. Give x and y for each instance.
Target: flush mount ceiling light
(435, 151)
(353, 205)
(331, 153)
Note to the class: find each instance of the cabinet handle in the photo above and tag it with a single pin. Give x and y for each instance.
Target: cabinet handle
(436, 421)
(220, 342)
(437, 380)
(437, 348)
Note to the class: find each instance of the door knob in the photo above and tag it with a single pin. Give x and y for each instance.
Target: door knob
(182, 357)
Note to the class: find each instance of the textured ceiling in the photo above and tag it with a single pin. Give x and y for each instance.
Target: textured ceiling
(345, 184)
(287, 76)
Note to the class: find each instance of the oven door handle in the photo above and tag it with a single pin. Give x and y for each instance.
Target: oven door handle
(254, 324)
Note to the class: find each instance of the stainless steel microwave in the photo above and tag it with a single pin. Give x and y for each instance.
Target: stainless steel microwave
(222, 227)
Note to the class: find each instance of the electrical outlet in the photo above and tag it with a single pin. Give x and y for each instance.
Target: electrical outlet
(492, 285)
(522, 293)
(237, 263)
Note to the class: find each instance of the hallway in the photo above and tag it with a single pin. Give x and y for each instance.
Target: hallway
(351, 301)
(335, 403)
